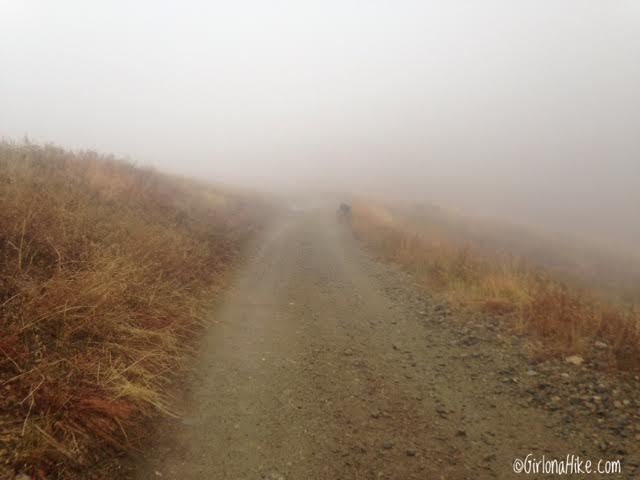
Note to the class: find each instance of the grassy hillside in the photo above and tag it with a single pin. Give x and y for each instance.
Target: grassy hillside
(106, 271)
(571, 300)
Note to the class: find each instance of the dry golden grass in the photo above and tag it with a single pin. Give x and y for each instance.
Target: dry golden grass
(558, 309)
(105, 274)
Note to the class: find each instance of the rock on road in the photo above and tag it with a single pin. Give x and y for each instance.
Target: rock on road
(322, 363)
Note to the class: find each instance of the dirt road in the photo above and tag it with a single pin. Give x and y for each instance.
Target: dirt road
(324, 364)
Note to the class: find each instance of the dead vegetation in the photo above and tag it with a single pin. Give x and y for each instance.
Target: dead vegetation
(566, 312)
(105, 273)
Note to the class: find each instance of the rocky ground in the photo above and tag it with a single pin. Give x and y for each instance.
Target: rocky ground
(578, 400)
(597, 410)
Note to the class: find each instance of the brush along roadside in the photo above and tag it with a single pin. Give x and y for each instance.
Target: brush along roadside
(562, 318)
(106, 272)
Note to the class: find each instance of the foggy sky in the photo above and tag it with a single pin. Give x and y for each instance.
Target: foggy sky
(529, 109)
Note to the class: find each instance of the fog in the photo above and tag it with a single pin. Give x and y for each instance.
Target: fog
(524, 109)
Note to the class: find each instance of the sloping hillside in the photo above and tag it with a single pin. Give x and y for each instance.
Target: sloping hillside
(565, 297)
(106, 271)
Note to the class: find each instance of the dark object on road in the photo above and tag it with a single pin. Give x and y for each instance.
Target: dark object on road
(344, 212)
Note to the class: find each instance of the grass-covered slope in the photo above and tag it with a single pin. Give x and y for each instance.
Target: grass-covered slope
(106, 271)
(570, 307)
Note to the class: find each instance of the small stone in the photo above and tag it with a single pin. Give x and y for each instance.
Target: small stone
(375, 415)
(387, 445)
(564, 375)
(618, 404)
(157, 473)
(531, 373)
(601, 388)
(576, 360)
(626, 402)
(348, 352)
(411, 452)
(600, 345)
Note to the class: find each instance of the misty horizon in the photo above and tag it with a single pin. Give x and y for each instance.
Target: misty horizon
(527, 110)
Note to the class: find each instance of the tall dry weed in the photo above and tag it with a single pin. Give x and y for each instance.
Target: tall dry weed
(568, 318)
(105, 274)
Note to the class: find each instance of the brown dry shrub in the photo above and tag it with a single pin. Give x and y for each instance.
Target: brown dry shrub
(567, 318)
(106, 271)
